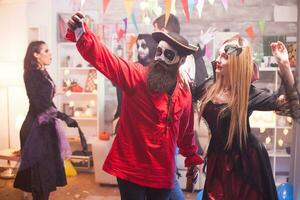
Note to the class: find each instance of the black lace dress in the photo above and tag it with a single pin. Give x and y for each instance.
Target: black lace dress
(239, 174)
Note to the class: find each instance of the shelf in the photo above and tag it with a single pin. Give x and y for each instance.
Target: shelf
(268, 69)
(280, 155)
(81, 94)
(77, 68)
(85, 118)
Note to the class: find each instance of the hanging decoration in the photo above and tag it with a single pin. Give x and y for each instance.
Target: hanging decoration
(199, 7)
(211, 2)
(128, 6)
(186, 9)
(134, 22)
(250, 32)
(168, 4)
(120, 33)
(191, 4)
(173, 7)
(125, 24)
(105, 4)
(208, 52)
(225, 4)
(132, 41)
(81, 3)
(261, 25)
(243, 1)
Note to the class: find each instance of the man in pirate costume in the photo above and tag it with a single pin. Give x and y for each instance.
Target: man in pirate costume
(156, 113)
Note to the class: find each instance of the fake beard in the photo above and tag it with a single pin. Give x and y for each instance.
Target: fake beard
(161, 76)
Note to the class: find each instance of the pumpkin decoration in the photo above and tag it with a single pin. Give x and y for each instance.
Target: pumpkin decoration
(104, 135)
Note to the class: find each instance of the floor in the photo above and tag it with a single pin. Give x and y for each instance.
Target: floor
(80, 187)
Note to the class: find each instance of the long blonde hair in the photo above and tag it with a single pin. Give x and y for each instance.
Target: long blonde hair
(240, 69)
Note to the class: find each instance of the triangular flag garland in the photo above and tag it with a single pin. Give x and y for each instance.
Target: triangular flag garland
(191, 3)
(173, 7)
(225, 4)
(134, 22)
(211, 2)
(261, 25)
(199, 7)
(186, 9)
(168, 4)
(125, 24)
(250, 32)
(105, 4)
(128, 6)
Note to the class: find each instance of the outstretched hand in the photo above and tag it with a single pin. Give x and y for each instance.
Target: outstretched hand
(76, 21)
(208, 36)
(280, 53)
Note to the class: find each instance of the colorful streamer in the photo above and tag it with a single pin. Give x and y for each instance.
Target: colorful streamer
(168, 4)
(199, 7)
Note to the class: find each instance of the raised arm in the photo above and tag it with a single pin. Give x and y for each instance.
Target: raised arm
(122, 73)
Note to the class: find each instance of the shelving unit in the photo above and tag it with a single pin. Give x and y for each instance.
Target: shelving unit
(274, 131)
(81, 102)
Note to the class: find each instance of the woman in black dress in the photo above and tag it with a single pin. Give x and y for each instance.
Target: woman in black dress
(43, 144)
(238, 166)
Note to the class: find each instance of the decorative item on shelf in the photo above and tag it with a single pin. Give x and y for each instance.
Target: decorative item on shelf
(76, 88)
(292, 51)
(103, 135)
(288, 150)
(67, 62)
(79, 65)
(78, 112)
(88, 112)
(68, 109)
(90, 85)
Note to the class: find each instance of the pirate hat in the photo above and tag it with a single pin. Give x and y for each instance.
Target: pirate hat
(175, 40)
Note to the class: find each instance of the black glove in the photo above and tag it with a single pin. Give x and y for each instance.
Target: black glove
(69, 121)
(76, 21)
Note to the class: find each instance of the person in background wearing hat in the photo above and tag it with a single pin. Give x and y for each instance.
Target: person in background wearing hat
(156, 113)
(146, 48)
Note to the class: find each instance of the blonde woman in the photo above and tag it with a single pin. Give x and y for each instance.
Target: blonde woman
(238, 165)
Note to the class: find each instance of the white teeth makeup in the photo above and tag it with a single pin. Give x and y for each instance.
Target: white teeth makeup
(166, 53)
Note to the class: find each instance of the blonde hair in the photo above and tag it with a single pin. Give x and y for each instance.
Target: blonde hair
(240, 72)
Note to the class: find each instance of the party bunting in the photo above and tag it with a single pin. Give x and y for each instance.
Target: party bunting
(199, 7)
(261, 25)
(250, 32)
(173, 7)
(128, 6)
(125, 24)
(186, 9)
(132, 41)
(225, 4)
(208, 52)
(168, 4)
(81, 3)
(134, 22)
(105, 4)
(211, 2)
(191, 3)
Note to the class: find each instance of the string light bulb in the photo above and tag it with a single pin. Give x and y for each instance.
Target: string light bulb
(268, 140)
(280, 142)
(285, 131)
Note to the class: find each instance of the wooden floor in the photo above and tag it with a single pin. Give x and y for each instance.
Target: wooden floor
(80, 187)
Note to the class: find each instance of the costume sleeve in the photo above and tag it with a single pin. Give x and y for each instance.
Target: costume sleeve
(39, 91)
(285, 101)
(122, 73)
(186, 140)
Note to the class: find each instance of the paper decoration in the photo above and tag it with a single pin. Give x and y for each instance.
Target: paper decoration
(261, 25)
(199, 7)
(168, 4)
(128, 6)
(120, 34)
(186, 9)
(250, 32)
(132, 41)
(81, 3)
(225, 4)
(134, 22)
(173, 7)
(105, 4)
(211, 2)
(208, 52)
(125, 24)
(90, 81)
(191, 4)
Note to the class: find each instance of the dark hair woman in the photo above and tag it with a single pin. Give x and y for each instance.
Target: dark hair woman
(43, 143)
